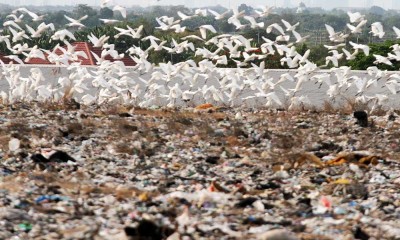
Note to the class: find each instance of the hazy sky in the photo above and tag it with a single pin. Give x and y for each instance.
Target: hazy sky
(197, 3)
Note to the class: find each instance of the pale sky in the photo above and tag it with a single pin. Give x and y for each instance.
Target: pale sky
(387, 4)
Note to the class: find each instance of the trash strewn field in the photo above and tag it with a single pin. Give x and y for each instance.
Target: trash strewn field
(72, 172)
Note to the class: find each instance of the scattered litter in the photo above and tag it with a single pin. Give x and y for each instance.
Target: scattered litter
(179, 174)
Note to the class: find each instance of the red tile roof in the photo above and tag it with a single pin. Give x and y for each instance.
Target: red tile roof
(88, 49)
(6, 60)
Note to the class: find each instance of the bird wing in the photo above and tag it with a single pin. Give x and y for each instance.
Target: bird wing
(250, 19)
(236, 22)
(297, 35)
(287, 24)
(70, 19)
(13, 31)
(397, 31)
(12, 23)
(192, 37)
(361, 24)
(51, 26)
(120, 9)
(353, 44)
(365, 49)
(69, 34)
(203, 33)
(378, 26)
(32, 14)
(279, 28)
(161, 23)
(30, 29)
(183, 16)
(351, 27)
(16, 58)
(217, 15)
(330, 30)
(210, 28)
(347, 53)
(82, 18)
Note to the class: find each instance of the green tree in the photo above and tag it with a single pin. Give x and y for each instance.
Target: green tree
(362, 62)
(57, 18)
(248, 10)
(83, 9)
(106, 13)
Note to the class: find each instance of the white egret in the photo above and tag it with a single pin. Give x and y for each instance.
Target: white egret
(253, 23)
(358, 28)
(290, 27)
(204, 28)
(109, 21)
(377, 29)
(120, 9)
(76, 22)
(355, 17)
(219, 16)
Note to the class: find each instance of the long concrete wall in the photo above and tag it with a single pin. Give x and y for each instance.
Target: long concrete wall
(316, 93)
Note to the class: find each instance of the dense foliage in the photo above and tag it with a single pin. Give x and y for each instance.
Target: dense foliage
(312, 23)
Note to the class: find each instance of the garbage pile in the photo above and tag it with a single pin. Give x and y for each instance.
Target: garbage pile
(105, 172)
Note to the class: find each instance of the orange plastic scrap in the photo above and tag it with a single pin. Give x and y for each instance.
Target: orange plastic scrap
(336, 161)
(369, 160)
(342, 158)
(144, 197)
(204, 106)
(354, 158)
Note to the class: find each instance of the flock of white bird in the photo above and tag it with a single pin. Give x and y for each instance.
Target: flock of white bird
(187, 82)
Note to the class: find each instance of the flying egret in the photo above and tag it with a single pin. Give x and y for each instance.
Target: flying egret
(109, 21)
(34, 16)
(382, 59)
(40, 29)
(364, 48)
(15, 58)
(397, 31)
(120, 9)
(253, 23)
(265, 11)
(277, 27)
(350, 56)
(62, 35)
(18, 36)
(219, 16)
(358, 28)
(11, 23)
(184, 16)
(201, 12)
(76, 22)
(290, 27)
(377, 29)
(204, 28)
(16, 18)
(98, 42)
(355, 17)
